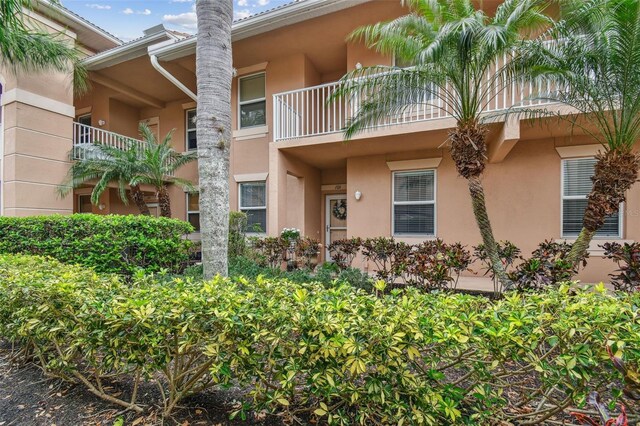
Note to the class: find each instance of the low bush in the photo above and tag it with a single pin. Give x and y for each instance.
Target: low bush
(298, 252)
(237, 233)
(114, 243)
(627, 257)
(333, 355)
(343, 252)
(509, 255)
(431, 265)
(547, 266)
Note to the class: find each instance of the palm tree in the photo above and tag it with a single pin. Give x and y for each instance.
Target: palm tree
(454, 48)
(145, 162)
(105, 164)
(214, 75)
(594, 63)
(26, 48)
(157, 164)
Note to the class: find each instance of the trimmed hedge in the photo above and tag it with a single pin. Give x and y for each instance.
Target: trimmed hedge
(338, 355)
(114, 243)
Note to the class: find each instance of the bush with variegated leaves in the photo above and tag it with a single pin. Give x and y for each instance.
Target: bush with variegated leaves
(331, 355)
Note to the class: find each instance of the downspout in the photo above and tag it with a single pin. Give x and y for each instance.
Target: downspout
(171, 78)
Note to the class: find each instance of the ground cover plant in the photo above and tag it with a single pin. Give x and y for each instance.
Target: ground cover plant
(627, 257)
(335, 355)
(113, 243)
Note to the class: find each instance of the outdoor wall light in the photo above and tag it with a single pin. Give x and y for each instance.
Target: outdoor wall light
(358, 195)
(101, 123)
(101, 206)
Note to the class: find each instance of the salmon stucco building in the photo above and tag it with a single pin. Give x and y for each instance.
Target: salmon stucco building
(290, 166)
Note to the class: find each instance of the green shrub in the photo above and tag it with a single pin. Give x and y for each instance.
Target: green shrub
(118, 244)
(237, 233)
(341, 355)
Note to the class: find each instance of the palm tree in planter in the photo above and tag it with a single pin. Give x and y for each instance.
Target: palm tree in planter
(145, 162)
(158, 162)
(454, 49)
(105, 164)
(594, 60)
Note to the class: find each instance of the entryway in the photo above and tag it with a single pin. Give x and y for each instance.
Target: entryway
(335, 219)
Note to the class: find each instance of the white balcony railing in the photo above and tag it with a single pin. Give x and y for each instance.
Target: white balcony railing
(84, 135)
(306, 112)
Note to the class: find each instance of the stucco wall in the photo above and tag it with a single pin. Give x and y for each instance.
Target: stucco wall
(522, 194)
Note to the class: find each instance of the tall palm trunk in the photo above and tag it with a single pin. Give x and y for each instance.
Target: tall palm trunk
(164, 201)
(138, 198)
(214, 76)
(616, 170)
(469, 152)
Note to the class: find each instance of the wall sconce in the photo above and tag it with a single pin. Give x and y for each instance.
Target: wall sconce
(358, 66)
(101, 206)
(101, 123)
(358, 195)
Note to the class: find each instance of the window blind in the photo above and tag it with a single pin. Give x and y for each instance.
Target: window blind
(576, 177)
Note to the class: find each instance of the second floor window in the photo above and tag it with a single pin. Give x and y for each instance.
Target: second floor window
(252, 101)
(414, 203)
(576, 185)
(192, 142)
(253, 202)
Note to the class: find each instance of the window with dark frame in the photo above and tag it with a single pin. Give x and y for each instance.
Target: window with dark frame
(191, 138)
(193, 210)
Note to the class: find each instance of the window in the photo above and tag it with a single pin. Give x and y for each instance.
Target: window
(253, 202)
(252, 101)
(576, 185)
(193, 210)
(192, 142)
(84, 204)
(414, 203)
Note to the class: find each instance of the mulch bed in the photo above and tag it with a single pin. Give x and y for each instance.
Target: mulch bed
(28, 398)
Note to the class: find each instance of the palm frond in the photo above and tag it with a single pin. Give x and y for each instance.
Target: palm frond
(454, 48)
(592, 62)
(25, 47)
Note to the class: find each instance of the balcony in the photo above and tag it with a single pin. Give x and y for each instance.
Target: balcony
(84, 135)
(306, 113)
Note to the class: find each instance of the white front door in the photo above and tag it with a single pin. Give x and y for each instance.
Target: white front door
(336, 220)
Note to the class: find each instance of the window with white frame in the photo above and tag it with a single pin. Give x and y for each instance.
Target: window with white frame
(252, 101)
(576, 185)
(253, 202)
(193, 210)
(192, 142)
(414, 203)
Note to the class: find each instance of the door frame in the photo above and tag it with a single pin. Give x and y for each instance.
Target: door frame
(327, 221)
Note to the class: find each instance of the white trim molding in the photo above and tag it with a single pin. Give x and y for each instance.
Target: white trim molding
(594, 249)
(252, 69)
(251, 177)
(83, 111)
(251, 133)
(577, 151)
(38, 101)
(421, 163)
(334, 187)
